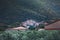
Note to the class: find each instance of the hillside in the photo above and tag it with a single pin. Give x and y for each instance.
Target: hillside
(12, 11)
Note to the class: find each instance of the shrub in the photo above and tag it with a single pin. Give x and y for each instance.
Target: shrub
(30, 35)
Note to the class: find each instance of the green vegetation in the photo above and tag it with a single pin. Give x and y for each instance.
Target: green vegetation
(41, 26)
(30, 35)
(12, 11)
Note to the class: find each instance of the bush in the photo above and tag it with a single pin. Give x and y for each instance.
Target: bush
(30, 35)
(41, 26)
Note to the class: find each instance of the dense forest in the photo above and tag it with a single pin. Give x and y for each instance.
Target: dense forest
(12, 11)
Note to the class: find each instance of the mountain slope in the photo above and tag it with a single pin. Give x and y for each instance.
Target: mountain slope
(20, 10)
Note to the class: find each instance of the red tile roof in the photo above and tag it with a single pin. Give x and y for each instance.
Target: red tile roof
(53, 26)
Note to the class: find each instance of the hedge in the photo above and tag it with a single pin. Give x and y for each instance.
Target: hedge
(30, 35)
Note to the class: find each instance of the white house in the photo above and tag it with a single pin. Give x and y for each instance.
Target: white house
(29, 23)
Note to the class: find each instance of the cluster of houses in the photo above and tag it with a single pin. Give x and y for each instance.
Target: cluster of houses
(31, 24)
(26, 25)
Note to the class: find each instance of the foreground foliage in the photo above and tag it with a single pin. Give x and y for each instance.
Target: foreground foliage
(30, 35)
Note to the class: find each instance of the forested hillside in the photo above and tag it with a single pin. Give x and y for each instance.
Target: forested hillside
(12, 11)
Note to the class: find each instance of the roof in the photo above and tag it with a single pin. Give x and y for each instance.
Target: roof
(17, 28)
(53, 26)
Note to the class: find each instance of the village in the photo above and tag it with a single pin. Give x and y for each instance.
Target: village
(33, 25)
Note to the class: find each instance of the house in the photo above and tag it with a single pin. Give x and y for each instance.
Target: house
(30, 24)
(53, 26)
(19, 28)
